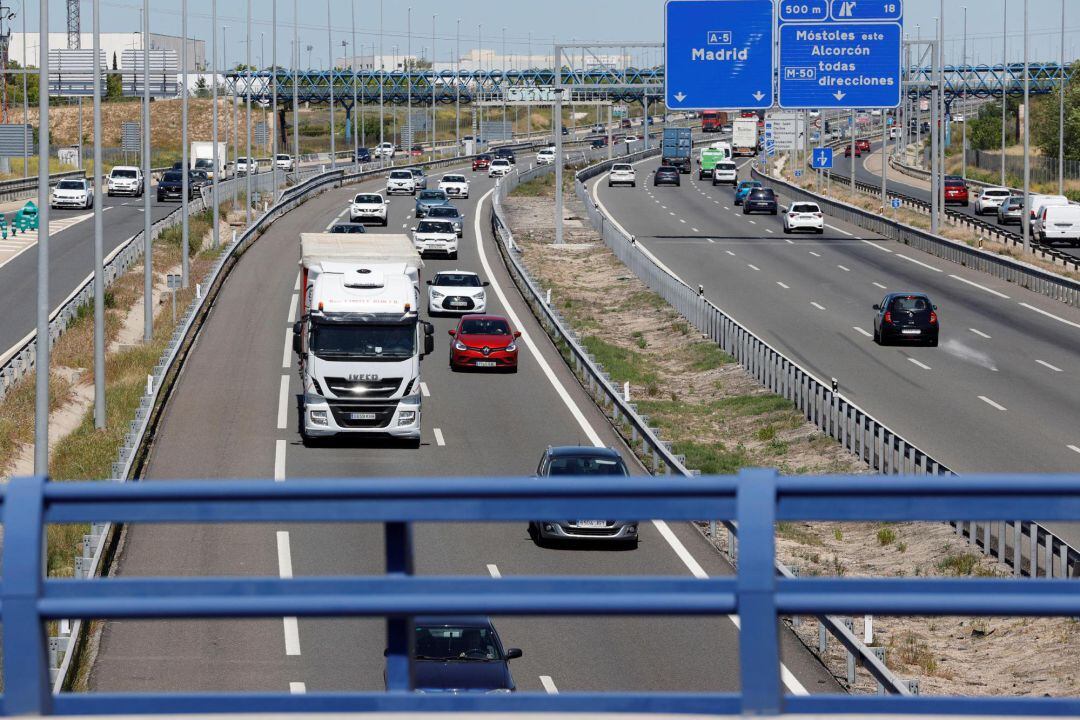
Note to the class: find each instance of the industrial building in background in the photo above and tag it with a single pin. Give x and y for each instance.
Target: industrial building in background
(113, 44)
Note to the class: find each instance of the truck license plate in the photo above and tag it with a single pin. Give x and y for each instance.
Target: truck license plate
(361, 416)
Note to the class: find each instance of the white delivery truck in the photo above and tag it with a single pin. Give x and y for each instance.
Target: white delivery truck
(202, 158)
(744, 137)
(360, 339)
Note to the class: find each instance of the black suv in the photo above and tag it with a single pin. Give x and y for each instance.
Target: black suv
(667, 175)
(506, 154)
(760, 200)
(578, 461)
(171, 186)
(906, 317)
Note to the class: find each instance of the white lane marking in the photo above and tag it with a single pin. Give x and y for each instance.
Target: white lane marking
(286, 359)
(819, 307)
(753, 267)
(279, 460)
(1048, 365)
(549, 685)
(439, 438)
(1050, 315)
(769, 231)
(730, 253)
(297, 688)
(919, 263)
(594, 438)
(712, 241)
(879, 285)
(874, 245)
(991, 403)
(494, 571)
(782, 285)
(285, 571)
(292, 307)
(915, 362)
(695, 229)
(751, 222)
(814, 254)
(790, 680)
(1074, 448)
(861, 331)
(283, 404)
(665, 207)
(977, 285)
(726, 207)
(296, 285)
(682, 221)
(980, 333)
(844, 268)
(424, 390)
(844, 232)
(789, 242)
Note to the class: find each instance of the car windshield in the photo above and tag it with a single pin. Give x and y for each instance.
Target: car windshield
(417, 172)
(432, 195)
(125, 174)
(586, 466)
(453, 179)
(443, 212)
(70, 185)
(368, 199)
(910, 303)
(805, 208)
(484, 326)
(401, 175)
(430, 226)
(748, 184)
(726, 166)
(996, 193)
(173, 176)
(456, 644)
(457, 280)
(954, 183)
(484, 157)
(334, 341)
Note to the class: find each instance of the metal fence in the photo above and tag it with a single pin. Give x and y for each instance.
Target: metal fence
(655, 452)
(1043, 169)
(1027, 547)
(755, 500)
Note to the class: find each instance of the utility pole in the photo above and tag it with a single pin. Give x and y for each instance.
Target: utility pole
(352, 66)
(148, 220)
(185, 181)
(432, 84)
(251, 166)
(99, 236)
(330, 46)
(273, 101)
(941, 110)
(296, 81)
(382, 80)
(218, 174)
(41, 346)
(1061, 110)
(1027, 137)
(1004, 78)
(964, 76)
(409, 65)
(457, 86)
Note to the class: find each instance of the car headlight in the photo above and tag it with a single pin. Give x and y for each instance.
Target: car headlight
(512, 347)
(318, 417)
(437, 295)
(478, 296)
(458, 345)
(406, 418)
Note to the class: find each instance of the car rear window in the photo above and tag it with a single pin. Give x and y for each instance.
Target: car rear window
(443, 212)
(910, 303)
(485, 326)
(621, 168)
(762, 194)
(432, 195)
(348, 228)
(173, 176)
(457, 280)
(997, 193)
(726, 166)
(586, 466)
(805, 208)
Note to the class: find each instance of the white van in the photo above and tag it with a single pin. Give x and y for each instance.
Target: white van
(1058, 223)
(1038, 202)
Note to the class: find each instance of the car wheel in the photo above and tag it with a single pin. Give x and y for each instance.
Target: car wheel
(160, 198)
(745, 211)
(877, 338)
(773, 212)
(633, 184)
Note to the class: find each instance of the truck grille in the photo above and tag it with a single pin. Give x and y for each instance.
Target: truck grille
(375, 415)
(363, 389)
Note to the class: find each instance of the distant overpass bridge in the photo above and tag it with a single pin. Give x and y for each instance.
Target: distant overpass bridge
(396, 88)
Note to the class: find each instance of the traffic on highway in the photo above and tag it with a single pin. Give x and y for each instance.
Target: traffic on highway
(579, 285)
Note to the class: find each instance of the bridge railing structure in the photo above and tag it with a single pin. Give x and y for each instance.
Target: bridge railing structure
(755, 499)
(989, 81)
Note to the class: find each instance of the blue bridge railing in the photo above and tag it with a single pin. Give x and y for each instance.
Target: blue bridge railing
(755, 499)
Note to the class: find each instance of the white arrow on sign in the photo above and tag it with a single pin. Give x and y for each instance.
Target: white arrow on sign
(758, 95)
(839, 95)
(680, 96)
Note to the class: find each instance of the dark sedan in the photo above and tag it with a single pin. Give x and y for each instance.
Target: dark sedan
(460, 655)
(363, 155)
(667, 175)
(906, 317)
(760, 200)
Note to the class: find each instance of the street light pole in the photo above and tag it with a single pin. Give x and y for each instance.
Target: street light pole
(1061, 110)
(148, 246)
(1004, 77)
(25, 99)
(274, 140)
(296, 81)
(432, 84)
(457, 86)
(330, 46)
(185, 178)
(963, 131)
(1027, 138)
(408, 81)
(382, 80)
(352, 66)
(41, 346)
(218, 174)
(247, 105)
(99, 234)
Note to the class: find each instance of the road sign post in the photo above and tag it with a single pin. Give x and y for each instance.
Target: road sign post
(719, 54)
(844, 55)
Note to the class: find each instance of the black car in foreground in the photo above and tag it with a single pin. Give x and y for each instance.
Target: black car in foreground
(667, 175)
(906, 318)
(171, 186)
(460, 655)
(760, 200)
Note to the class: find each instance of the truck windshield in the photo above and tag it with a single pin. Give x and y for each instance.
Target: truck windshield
(333, 341)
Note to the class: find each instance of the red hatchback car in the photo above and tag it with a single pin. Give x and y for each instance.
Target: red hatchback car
(847, 151)
(863, 145)
(484, 342)
(956, 190)
(481, 162)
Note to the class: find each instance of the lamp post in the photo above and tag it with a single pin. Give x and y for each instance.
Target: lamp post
(1061, 110)
(148, 247)
(432, 84)
(330, 62)
(99, 234)
(296, 80)
(218, 174)
(1027, 138)
(185, 208)
(1004, 77)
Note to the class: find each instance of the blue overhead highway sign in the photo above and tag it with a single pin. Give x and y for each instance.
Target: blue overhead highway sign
(718, 54)
(823, 159)
(850, 60)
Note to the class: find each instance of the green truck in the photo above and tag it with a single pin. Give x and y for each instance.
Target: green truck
(708, 158)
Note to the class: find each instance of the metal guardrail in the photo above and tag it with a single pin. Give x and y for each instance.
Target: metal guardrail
(755, 500)
(635, 427)
(27, 188)
(1025, 546)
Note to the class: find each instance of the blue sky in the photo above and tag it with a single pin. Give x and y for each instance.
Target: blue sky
(566, 19)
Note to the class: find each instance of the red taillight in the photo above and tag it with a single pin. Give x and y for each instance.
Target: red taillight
(933, 318)
(888, 317)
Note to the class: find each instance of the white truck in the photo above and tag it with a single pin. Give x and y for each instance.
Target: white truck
(202, 158)
(359, 338)
(744, 137)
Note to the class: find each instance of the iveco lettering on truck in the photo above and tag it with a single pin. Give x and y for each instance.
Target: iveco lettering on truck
(360, 338)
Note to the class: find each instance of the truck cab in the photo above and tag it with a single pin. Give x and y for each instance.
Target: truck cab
(360, 341)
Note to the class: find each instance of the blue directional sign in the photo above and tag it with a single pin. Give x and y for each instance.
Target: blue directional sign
(896, 203)
(719, 54)
(822, 159)
(849, 60)
(798, 173)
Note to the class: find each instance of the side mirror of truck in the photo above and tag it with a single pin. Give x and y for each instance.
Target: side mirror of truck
(429, 338)
(297, 340)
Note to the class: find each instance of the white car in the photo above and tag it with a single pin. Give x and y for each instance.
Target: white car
(804, 216)
(990, 200)
(74, 193)
(245, 165)
(455, 186)
(456, 291)
(1058, 223)
(622, 174)
(499, 168)
(125, 180)
(368, 207)
(725, 173)
(401, 182)
(385, 150)
(546, 157)
(958, 118)
(285, 162)
(436, 237)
